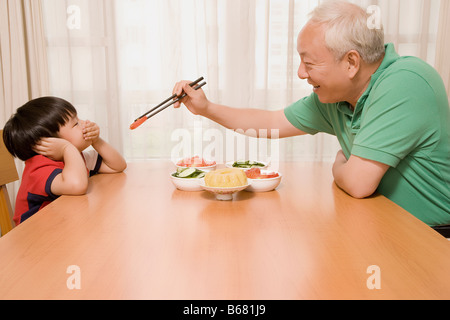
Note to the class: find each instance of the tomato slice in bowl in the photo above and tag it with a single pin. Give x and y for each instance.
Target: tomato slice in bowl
(269, 175)
(255, 173)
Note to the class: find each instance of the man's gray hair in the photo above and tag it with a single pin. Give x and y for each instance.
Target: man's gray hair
(346, 29)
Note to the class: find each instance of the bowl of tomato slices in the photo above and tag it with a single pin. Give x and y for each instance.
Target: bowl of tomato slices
(262, 180)
(196, 162)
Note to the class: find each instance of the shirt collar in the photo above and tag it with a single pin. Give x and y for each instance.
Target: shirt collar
(355, 116)
(390, 57)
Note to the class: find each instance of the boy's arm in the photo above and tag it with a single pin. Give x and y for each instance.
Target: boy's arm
(113, 161)
(73, 180)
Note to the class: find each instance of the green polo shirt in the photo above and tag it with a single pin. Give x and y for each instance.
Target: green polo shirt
(402, 120)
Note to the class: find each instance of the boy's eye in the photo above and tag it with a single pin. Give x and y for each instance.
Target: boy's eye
(75, 124)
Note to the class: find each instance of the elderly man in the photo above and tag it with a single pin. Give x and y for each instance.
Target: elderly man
(389, 113)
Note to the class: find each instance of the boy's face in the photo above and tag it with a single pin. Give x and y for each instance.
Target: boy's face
(72, 131)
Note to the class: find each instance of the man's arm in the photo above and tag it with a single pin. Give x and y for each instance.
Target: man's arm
(274, 123)
(357, 176)
(233, 118)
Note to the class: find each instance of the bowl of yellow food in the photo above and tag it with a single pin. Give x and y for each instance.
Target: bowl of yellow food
(225, 182)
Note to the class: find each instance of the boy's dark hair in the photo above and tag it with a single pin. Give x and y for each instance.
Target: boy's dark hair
(36, 119)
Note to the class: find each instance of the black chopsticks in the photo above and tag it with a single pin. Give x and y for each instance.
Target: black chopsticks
(160, 107)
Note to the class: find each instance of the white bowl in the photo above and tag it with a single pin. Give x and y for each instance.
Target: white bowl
(186, 184)
(230, 165)
(264, 185)
(224, 194)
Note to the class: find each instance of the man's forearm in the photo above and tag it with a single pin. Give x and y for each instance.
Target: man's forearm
(357, 176)
(254, 122)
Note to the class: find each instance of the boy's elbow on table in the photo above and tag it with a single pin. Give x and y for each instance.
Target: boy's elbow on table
(78, 187)
(122, 167)
(115, 168)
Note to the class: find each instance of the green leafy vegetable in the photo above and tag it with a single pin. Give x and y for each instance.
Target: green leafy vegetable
(189, 173)
(247, 164)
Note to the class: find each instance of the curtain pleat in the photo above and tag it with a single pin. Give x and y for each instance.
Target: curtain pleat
(443, 45)
(23, 61)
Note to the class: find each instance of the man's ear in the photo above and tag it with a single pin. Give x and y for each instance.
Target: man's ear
(353, 60)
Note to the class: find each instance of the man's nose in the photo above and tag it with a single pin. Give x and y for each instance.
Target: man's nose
(302, 73)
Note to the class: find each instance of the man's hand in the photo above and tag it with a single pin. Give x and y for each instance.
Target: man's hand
(195, 100)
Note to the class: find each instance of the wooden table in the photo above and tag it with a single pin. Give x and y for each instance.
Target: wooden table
(134, 236)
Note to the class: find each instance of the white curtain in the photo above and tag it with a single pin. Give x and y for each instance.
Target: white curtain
(443, 44)
(23, 62)
(115, 60)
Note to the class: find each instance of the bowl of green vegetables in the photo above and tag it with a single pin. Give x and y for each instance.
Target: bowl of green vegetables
(246, 164)
(188, 179)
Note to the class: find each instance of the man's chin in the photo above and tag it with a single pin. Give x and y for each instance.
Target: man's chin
(324, 99)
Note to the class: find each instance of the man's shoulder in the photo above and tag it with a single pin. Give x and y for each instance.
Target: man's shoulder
(406, 66)
(411, 74)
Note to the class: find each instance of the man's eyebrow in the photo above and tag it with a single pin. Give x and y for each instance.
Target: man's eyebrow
(304, 54)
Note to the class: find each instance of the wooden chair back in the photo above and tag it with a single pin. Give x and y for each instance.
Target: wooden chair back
(8, 174)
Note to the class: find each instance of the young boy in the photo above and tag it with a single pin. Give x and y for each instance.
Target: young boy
(47, 134)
